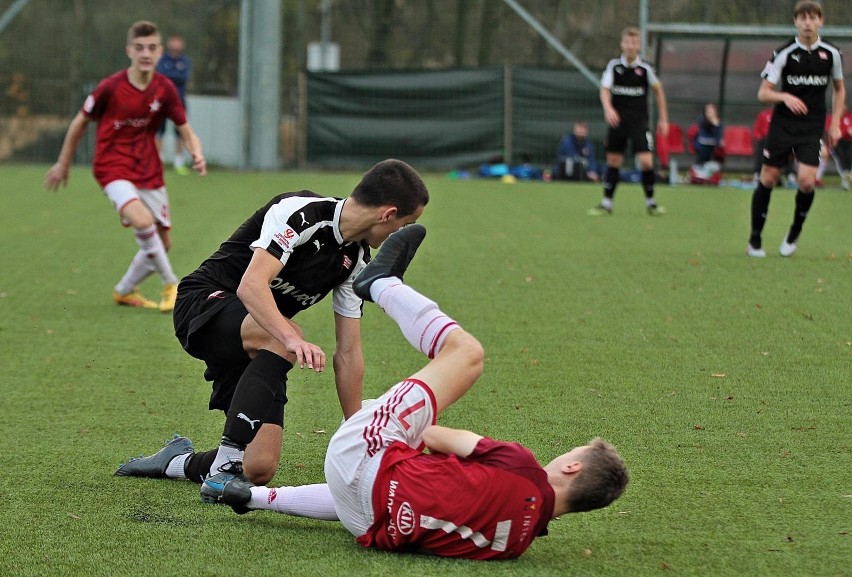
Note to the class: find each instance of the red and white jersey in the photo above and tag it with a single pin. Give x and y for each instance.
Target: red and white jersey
(845, 125)
(490, 505)
(761, 123)
(128, 119)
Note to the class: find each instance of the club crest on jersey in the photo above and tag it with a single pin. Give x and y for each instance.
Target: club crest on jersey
(284, 238)
(639, 71)
(347, 262)
(823, 55)
(155, 105)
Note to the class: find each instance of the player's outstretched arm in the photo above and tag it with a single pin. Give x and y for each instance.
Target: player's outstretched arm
(449, 441)
(193, 145)
(58, 173)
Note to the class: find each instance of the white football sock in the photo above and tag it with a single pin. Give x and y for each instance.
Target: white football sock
(313, 501)
(150, 242)
(225, 455)
(140, 268)
(174, 470)
(422, 323)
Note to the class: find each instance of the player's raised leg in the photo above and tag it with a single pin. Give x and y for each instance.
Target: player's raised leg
(457, 357)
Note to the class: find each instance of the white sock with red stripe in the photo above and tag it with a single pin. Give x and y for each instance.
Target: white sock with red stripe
(140, 268)
(313, 501)
(150, 242)
(422, 323)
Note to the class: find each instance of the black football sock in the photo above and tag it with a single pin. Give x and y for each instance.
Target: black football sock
(803, 205)
(610, 182)
(759, 208)
(197, 465)
(259, 397)
(648, 183)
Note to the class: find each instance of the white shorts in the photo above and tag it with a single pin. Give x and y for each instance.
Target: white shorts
(121, 192)
(355, 451)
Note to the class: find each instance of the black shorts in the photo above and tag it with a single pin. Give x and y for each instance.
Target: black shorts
(782, 140)
(637, 133)
(207, 324)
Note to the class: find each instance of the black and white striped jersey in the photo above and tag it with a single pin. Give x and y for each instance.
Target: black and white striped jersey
(302, 230)
(805, 72)
(629, 85)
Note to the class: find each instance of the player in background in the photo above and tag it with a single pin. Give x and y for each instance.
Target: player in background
(235, 312)
(841, 153)
(470, 496)
(128, 107)
(795, 81)
(177, 67)
(624, 96)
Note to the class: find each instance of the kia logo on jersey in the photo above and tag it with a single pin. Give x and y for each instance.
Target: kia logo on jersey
(405, 519)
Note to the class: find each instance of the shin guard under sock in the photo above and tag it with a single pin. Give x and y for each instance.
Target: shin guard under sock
(759, 210)
(610, 182)
(259, 397)
(803, 205)
(648, 183)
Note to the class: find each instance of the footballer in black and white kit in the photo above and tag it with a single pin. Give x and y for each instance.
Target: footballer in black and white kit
(795, 81)
(805, 72)
(235, 312)
(302, 230)
(624, 89)
(628, 84)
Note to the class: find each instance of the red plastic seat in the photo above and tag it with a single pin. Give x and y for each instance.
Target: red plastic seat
(738, 141)
(671, 145)
(691, 133)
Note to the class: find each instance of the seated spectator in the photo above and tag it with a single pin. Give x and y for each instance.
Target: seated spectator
(575, 157)
(708, 140)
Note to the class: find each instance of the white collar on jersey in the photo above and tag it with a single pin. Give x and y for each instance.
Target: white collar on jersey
(633, 64)
(810, 48)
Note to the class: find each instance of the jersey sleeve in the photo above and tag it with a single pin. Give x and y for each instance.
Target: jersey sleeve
(277, 237)
(343, 298)
(772, 70)
(507, 456)
(606, 78)
(96, 102)
(837, 65)
(176, 111)
(653, 80)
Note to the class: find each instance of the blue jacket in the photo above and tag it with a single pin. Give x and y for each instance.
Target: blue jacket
(177, 70)
(584, 151)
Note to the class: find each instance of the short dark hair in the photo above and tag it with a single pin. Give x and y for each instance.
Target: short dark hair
(392, 182)
(807, 7)
(141, 29)
(601, 480)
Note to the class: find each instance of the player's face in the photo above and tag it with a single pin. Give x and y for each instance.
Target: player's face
(144, 52)
(808, 26)
(630, 46)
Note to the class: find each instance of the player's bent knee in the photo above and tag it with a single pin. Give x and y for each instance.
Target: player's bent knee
(468, 349)
(260, 471)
